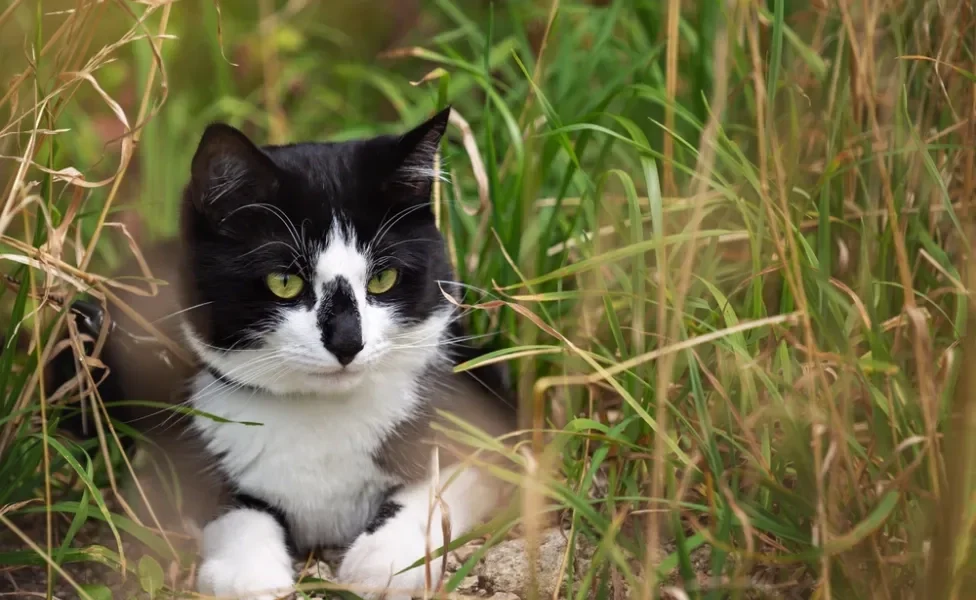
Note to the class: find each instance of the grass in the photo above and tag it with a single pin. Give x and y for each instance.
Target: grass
(724, 245)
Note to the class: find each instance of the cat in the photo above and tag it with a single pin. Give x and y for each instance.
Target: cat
(311, 290)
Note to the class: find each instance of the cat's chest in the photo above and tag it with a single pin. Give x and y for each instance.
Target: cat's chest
(311, 457)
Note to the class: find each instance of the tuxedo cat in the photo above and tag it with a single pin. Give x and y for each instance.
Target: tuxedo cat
(310, 285)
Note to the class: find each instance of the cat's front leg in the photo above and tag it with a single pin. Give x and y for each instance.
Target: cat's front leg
(245, 555)
(399, 536)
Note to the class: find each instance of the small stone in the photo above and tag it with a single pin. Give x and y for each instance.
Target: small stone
(452, 563)
(466, 551)
(504, 596)
(505, 566)
(469, 584)
(456, 558)
(319, 570)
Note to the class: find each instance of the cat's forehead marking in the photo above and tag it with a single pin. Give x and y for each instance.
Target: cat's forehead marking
(341, 257)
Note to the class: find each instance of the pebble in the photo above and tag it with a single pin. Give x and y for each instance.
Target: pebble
(322, 570)
(466, 551)
(505, 567)
(469, 584)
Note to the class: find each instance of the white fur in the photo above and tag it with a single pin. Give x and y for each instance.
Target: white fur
(312, 457)
(293, 359)
(374, 561)
(246, 554)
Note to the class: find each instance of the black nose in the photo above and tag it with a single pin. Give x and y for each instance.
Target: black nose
(343, 336)
(341, 330)
(346, 353)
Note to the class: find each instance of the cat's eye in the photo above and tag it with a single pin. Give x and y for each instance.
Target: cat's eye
(285, 285)
(382, 282)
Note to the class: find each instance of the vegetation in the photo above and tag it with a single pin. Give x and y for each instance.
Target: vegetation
(724, 245)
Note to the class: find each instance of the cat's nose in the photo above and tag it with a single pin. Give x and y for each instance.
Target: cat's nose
(342, 331)
(346, 353)
(345, 338)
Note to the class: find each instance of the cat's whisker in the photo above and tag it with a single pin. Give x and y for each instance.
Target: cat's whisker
(168, 409)
(402, 242)
(294, 251)
(254, 336)
(300, 242)
(444, 341)
(385, 228)
(298, 246)
(205, 391)
(223, 184)
(417, 346)
(425, 174)
(233, 385)
(247, 366)
(387, 260)
(483, 292)
(182, 312)
(444, 384)
(413, 335)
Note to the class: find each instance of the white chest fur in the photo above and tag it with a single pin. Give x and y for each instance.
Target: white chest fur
(312, 457)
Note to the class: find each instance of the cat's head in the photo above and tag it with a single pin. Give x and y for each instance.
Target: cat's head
(313, 266)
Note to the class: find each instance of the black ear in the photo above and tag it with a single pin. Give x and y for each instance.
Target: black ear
(416, 151)
(228, 172)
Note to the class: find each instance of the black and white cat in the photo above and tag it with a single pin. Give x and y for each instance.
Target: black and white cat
(312, 288)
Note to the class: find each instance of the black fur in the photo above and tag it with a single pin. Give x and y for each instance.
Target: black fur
(387, 510)
(63, 367)
(376, 188)
(241, 500)
(249, 211)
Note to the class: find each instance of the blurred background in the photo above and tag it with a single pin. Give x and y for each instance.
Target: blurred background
(722, 245)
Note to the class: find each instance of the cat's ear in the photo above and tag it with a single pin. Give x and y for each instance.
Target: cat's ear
(416, 152)
(228, 171)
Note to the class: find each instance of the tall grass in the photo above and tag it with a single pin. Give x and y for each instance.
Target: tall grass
(724, 246)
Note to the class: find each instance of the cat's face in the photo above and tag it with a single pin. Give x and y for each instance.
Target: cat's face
(311, 267)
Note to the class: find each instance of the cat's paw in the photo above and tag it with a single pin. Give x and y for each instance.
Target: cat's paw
(253, 580)
(371, 565)
(245, 556)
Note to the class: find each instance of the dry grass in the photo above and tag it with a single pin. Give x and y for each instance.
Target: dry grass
(727, 251)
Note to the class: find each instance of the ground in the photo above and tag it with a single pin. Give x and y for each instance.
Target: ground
(502, 574)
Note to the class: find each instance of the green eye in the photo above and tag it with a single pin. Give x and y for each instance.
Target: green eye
(382, 281)
(284, 285)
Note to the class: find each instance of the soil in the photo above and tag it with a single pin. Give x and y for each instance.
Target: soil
(501, 574)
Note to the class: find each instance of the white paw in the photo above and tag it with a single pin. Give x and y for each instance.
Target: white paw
(245, 556)
(250, 580)
(371, 563)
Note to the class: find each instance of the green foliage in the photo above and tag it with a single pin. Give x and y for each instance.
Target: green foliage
(150, 576)
(763, 220)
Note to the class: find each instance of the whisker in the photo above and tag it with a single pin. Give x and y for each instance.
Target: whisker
(182, 311)
(385, 228)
